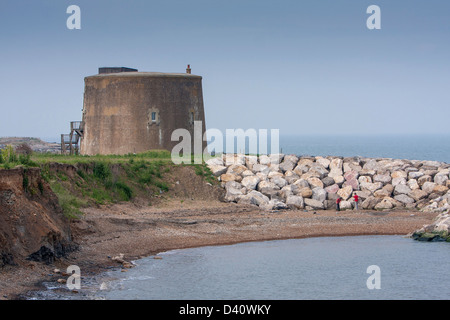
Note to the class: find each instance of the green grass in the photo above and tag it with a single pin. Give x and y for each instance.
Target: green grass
(162, 186)
(148, 173)
(100, 196)
(42, 158)
(101, 179)
(25, 180)
(9, 159)
(203, 171)
(125, 192)
(69, 203)
(101, 185)
(101, 171)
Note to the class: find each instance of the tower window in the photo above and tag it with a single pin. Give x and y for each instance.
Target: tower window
(153, 117)
(191, 117)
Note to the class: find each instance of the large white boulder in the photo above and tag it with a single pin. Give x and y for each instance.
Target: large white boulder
(295, 202)
(217, 170)
(345, 193)
(250, 182)
(319, 194)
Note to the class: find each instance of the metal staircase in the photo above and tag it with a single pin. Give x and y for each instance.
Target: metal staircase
(70, 142)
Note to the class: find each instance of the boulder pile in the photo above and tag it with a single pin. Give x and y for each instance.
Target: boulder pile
(280, 181)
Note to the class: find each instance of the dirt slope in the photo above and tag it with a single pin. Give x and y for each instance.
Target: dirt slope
(31, 222)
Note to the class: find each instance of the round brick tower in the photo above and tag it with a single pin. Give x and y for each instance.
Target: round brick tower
(126, 111)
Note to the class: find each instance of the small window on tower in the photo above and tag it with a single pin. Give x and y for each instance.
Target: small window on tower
(191, 117)
(153, 116)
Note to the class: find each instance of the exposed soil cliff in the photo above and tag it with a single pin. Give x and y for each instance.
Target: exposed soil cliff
(32, 223)
(32, 226)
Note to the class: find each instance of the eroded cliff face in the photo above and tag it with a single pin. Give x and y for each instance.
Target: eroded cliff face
(32, 225)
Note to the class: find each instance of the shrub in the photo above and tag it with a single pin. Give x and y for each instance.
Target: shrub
(101, 171)
(199, 170)
(69, 203)
(81, 174)
(24, 149)
(146, 178)
(100, 196)
(162, 185)
(24, 159)
(41, 187)
(45, 172)
(70, 206)
(25, 181)
(8, 154)
(124, 189)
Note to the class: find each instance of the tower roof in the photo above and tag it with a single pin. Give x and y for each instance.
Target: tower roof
(107, 70)
(135, 74)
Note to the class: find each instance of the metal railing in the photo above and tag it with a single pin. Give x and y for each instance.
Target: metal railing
(76, 125)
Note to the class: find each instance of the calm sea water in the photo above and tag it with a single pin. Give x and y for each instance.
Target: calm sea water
(314, 268)
(412, 147)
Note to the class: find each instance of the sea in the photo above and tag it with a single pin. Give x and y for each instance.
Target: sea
(434, 147)
(322, 268)
(401, 146)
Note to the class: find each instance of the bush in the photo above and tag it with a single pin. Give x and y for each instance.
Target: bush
(41, 187)
(26, 160)
(69, 203)
(101, 171)
(70, 206)
(81, 174)
(100, 196)
(8, 154)
(10, 158)
(203, 171)
(25, 181)
(146, 178)
(199, 170)
(162, 185)
(45, 172)
(125, 190)
(24, 149)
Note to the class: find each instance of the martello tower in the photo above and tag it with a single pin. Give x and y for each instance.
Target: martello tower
(126, 111)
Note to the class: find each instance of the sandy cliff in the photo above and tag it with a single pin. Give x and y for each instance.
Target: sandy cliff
(32, 225)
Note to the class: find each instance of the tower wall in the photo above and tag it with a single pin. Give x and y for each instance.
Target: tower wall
(133, 112)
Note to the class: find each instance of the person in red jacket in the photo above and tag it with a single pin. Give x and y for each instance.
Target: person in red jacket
(356, 201)
(338, 201)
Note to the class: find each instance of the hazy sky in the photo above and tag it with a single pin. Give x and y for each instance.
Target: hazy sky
(304, 67)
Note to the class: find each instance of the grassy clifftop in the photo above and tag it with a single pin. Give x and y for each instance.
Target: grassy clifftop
(81, 181)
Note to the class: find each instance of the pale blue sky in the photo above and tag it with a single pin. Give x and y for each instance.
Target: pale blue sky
(304, 67)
